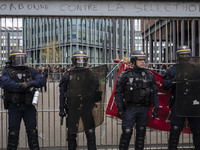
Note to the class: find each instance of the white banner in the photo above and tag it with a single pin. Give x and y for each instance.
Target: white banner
(100, 8)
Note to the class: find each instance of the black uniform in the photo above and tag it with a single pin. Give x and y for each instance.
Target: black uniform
(136, 90)
(18, 101)
(177, 123)
(90, 134)
(79, 60)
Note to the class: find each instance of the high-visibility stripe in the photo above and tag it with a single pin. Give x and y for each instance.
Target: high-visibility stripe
(182, 50)
(18, 54)
(139, 55)
(79, 55)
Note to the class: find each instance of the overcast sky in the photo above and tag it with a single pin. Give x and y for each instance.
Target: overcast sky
(11, 22)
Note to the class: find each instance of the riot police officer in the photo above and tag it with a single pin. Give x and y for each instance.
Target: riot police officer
(19, 82)
(79, 61)
(177, 123)
(136, 90)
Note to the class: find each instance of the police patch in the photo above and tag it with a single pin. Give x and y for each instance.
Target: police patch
(19, 76)
(131, 80)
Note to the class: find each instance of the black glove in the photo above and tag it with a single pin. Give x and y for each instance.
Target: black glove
(154, 113)
(62, 112)
(23, 86)
(120, 112)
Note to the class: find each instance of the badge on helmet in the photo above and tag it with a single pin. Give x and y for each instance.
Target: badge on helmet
(79, 59)
(184, 50)
(136, 55)
(17, 58)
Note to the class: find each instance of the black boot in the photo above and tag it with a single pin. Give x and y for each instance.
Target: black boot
(91, 139)
(33, 139)
(175, 132)
(140, 135)
(125, 138)
(13, 138)
(72, 145)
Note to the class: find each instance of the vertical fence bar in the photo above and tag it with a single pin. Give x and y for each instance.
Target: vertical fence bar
(193, 38)
(132, 35)
(182, 32)
(155, 40)
(166, 41)
(174, 40)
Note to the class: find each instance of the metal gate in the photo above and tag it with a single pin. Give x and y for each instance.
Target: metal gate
(51, 31)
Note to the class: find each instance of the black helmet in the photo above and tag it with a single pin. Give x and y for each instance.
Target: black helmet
(17, 58)
(184, 50)
(135, 55)
(79, 59)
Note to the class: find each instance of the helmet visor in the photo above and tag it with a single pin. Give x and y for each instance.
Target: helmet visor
(81, 62)
(18, 60)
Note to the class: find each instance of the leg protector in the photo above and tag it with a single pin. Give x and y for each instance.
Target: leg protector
(13, 138)
(91, 139)
(140, 136)
(196, 138)
(174, 137)
(125, 138)
(72, 145)
(33, 139)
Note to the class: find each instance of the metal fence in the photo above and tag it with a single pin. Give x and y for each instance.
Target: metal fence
(50, 42)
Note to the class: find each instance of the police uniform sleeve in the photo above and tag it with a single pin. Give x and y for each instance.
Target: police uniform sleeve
(63, 89)
(38, 80)
(155, 92)
(120, 86)
(7, 83)
(169, 78)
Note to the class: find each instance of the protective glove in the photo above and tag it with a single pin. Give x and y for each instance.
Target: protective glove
(23, 86)
(62, 112)
(154, 113)
(120, 112)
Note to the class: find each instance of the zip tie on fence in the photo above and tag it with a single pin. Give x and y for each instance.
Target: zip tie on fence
(113, 68)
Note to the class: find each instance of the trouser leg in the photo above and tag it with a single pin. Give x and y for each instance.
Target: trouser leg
(196, 138)
(33, 139)
(174, 137)
(125, 138)
(91, 139)
(71, 139)
(140, 136)
(13, 138)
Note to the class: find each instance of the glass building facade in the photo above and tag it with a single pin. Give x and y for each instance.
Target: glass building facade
(52, 40)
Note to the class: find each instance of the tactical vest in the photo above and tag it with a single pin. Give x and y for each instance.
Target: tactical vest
(19, 75)
(137, 89)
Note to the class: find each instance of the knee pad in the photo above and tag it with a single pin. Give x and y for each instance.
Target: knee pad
(90, 131)
(175, 130)
(140, 131)
(13, 138)
(127, 130)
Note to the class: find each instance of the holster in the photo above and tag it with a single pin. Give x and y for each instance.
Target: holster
(171, 101)
(5, 102)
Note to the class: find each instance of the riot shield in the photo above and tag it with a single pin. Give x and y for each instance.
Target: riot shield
(86, 98)
(188, 87)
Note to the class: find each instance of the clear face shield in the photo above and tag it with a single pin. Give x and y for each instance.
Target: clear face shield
(81, 62)
(19, 60)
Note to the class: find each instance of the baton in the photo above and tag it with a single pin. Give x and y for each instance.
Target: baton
(61, 121)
